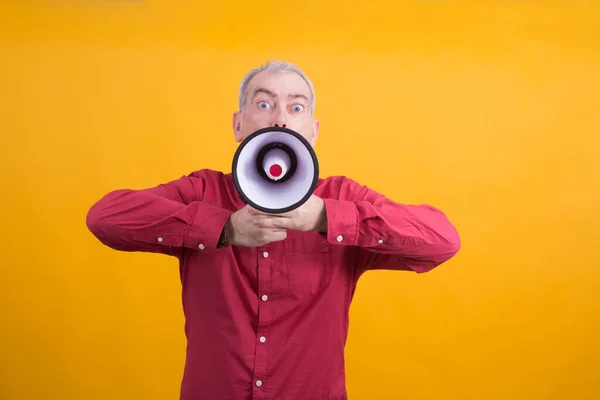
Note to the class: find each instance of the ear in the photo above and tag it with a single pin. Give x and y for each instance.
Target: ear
(237, 126)
(316, 125)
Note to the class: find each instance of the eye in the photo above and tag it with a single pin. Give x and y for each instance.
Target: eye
(264, 104)
(298, 108)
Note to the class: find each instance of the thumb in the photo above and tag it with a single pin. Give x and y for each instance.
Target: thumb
(251, 210)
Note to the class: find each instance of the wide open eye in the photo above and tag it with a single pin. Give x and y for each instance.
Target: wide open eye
(297, 108)
(264, 104)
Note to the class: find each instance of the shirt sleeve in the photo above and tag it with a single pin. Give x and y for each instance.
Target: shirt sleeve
(389, 235)
(163, 219)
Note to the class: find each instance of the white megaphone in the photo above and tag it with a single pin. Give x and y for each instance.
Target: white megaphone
(275, 170)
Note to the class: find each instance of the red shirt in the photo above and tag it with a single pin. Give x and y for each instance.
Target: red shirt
(270, 323)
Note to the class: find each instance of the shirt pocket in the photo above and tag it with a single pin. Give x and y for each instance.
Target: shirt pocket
(309, 263)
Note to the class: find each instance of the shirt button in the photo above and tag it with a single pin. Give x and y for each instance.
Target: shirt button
(380, 241)
(160, 239)
(265, 254)
(258, 383)
(264, 297)
(201, 246)
(340, 238)
(263, 339)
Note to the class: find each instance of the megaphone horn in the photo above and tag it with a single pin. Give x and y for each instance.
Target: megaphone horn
(275, 170)
(276, 162)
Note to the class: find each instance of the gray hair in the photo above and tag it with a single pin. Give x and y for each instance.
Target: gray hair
(274, 66)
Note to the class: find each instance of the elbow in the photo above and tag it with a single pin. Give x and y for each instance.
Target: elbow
(448, 246)
(94, 222)
(92, 219)
(103, 213)
(99, 222)
(436, 244)
(450, 250)
(440, 239)
(453, 241)
(438, 254)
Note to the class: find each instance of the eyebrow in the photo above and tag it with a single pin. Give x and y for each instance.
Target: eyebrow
(298, 96)
(269, 93)
(263, 90)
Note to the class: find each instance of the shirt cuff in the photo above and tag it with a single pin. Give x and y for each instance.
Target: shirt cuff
(342, 221)
(205, 230)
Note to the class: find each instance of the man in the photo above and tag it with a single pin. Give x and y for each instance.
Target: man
(266, 297)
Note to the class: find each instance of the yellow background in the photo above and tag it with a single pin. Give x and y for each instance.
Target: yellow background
(488, 110)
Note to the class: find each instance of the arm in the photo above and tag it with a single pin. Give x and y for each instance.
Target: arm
(390, 235)
(163, 219)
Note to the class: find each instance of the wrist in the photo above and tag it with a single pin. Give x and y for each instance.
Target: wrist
(322, 223)
(226, 238)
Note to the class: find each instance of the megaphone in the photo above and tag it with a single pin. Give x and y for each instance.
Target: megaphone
(275, 170)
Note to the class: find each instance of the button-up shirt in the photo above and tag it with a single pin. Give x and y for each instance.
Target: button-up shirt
(270, 322)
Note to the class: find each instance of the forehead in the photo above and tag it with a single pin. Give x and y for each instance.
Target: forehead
(280, 83)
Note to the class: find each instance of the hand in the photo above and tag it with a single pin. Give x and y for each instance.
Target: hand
(250, 227)
(310, 216)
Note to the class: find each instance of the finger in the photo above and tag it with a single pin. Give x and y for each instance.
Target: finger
(269, 223)
(274, 223)
(276, 236)
(257, 213)
(253, 211)
(260, 220)
(289, 214)
(281, 223)
(276, 215)
(268, 236)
